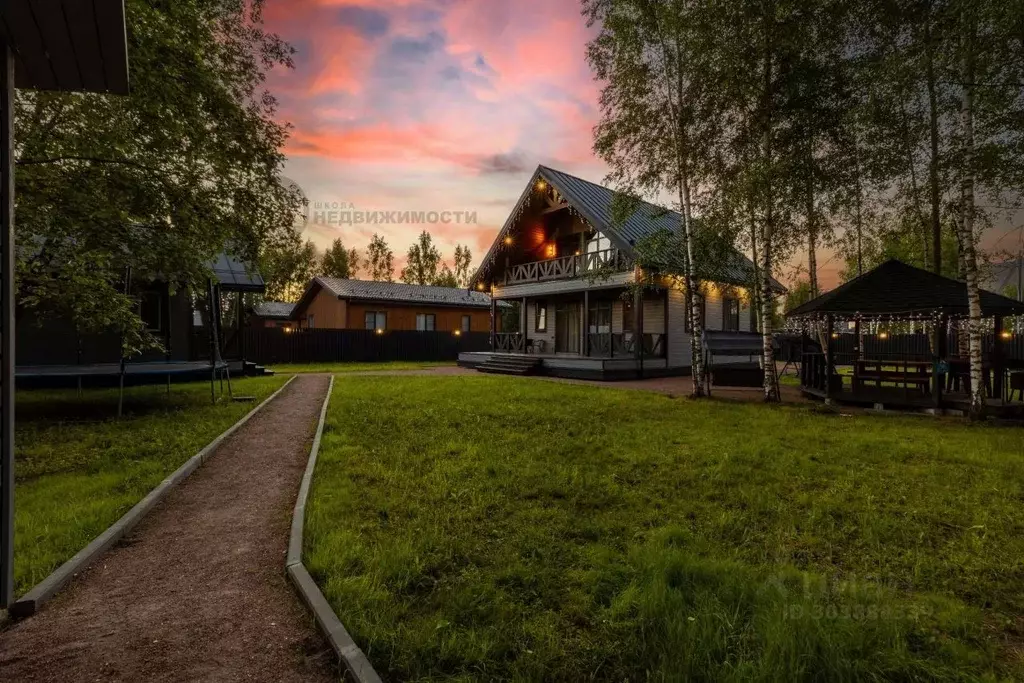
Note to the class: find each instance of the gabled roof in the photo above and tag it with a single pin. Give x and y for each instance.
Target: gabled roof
(395, 292)
(274, 309)
(234, 276)
(895, 288)
(594, 203)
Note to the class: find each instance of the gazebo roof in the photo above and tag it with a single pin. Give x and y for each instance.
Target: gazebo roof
(896, 289)
(67, 44)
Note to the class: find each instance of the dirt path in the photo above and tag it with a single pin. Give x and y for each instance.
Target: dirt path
(198, 591)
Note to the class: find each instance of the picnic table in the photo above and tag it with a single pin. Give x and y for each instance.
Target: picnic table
(907, 373)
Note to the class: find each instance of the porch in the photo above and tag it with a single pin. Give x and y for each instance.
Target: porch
(588, 334)
(579, 367)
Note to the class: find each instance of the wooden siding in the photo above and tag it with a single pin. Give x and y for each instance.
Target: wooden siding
(327, 310)
(403, 317)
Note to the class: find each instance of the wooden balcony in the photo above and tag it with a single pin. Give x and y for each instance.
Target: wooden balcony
(569, 267)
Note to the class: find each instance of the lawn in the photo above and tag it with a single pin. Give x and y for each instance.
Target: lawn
(479, 528)
(78, 468)
(333, 368)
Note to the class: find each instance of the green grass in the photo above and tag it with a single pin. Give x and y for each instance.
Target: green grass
(299, 368)
(476, 528)
(78, 468)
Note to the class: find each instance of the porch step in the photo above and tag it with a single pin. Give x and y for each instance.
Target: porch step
(510, 365)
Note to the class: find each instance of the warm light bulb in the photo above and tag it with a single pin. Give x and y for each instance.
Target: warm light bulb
(458, 333)
(883, 335)
(508, 240)
(1006, 334)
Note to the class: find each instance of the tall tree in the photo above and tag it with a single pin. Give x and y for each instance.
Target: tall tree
(652, 132)
(335, 261)
(288, 267)
(446, 278)
(463, 257)
(355, 263)
(423, 259)
(380, 260)
(163, 180)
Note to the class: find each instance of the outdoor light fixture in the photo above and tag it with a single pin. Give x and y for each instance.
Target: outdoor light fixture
(883, 335)
(835, 335)
(1006, 334)
(508, 240)
(551, 250)
(480, 286)
(457, 333)
(380, 331)
(541, 185)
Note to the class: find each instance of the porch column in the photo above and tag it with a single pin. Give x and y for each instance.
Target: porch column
(586, 322)
(494, 320)
(997, 359)
(829, 359)
(638, 333)
(522, 322)
(939, 355)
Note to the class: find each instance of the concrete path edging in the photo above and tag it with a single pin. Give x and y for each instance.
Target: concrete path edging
(357, 665)
(29, 604)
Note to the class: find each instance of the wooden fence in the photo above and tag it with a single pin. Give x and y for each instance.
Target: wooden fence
(267, 346)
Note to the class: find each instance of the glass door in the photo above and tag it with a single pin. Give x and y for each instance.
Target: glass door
(567, 328)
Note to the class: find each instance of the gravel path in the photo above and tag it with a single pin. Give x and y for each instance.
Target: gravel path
(197, 592)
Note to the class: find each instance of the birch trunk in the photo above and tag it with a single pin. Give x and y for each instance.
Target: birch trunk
(771, 389)
(970, 260)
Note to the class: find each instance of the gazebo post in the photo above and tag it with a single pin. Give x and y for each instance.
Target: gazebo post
(997, 358)
(938, 355)
(829, 360)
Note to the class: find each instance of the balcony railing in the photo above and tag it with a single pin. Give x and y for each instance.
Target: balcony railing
(624, 345)
(509, 342)
(568, 267)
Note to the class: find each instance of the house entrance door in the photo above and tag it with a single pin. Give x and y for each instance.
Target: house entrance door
(567, 328)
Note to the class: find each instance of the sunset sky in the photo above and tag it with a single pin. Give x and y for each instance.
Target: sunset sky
(435, 105)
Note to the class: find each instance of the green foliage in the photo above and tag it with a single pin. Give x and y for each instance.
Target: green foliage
(463, 257)
(161, 180)
(423, 259)
(336, 261)
(289, 266)
(617, 535)
(79, 468)
(380, 260)
(799, 294)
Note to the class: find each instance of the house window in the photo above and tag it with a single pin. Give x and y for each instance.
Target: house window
(541, 313)
(466, 322)
(600, 317)
(731, 315)
(151, 309)
(425, 322)
(311, 322)
(376, 320)
(699, 302)
(627, 316)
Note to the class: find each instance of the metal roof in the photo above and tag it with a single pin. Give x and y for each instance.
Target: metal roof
(895, 288)
(274, 309)
(234, 276)
(594, 202)
(67, 44)
(397, 292)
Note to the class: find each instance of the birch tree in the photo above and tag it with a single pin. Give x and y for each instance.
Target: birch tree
(650, 132)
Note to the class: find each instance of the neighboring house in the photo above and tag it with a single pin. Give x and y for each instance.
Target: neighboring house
(332, 303)
(273, 314)
(566, 263)
(171, 318)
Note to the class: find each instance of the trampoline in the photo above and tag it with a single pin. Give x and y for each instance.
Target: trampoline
(141, 373)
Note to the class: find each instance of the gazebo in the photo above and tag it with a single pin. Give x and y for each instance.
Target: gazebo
(63, 45)
(898, 334)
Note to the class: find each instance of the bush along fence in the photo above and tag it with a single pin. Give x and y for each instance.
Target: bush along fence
(277, 345)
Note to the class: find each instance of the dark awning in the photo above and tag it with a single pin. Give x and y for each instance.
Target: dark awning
(896, 289)
(75, 45)
(234, 276)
